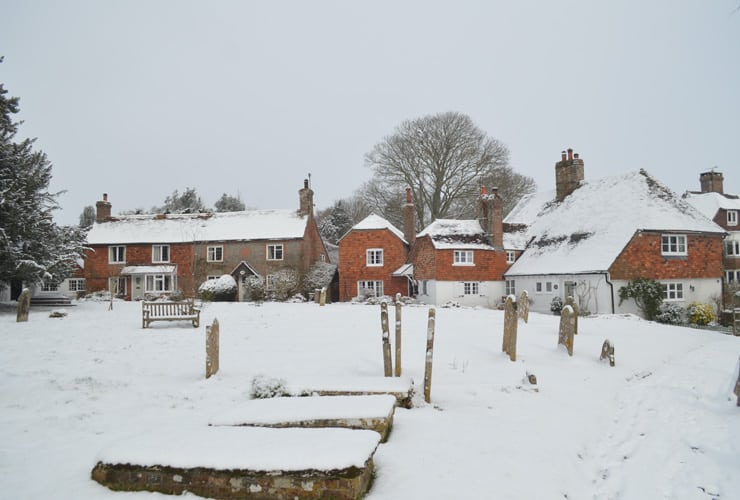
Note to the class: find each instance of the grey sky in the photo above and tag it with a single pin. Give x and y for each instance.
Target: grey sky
(137, 98)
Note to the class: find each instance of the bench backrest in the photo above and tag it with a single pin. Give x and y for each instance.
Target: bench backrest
(164, 309)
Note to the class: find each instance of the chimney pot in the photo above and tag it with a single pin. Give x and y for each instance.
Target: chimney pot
(483, 190)
(305, 183)
(575, 156)
(570, 153)
(105, 196)
(408, 195)
(562, 156)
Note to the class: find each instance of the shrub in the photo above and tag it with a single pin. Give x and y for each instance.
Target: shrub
(701, 314)
(264, 387)
(317, 277)
(285, 284)
(556, 305)
(219, 289)
(670, 314)
(647, 294)
(254, 289)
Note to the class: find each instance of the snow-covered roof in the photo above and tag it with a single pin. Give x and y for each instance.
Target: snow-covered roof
(590, 227)
(526, 210)
(710, 203)
(186, 228)
(516, 240)
(374, 221)
(458, 234)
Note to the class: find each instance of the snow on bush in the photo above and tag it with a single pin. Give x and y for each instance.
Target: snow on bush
(268, 387)
(701, 314)
(219, 289)
(318, 276)
(670, 314)
(284, 285)
(556, 305)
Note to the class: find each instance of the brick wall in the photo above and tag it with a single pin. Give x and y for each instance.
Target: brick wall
(642, 258)
(353, 262)
(433, 264)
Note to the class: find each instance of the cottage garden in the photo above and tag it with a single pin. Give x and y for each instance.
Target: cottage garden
(270, 448)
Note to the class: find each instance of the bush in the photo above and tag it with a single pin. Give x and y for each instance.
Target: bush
(264, 387)
(647, 294)
(670, 314)
(221, 289)
(701, 314)
(317, 277)
(556, 305)
(285, 284)
(254, 289)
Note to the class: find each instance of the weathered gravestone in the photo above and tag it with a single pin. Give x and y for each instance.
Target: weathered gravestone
(510, 326)
(24, 304)
(387, 368)
(397, 371)
(212, 348)
(429, 355)
(737, 384)
(572, 303)
(523, 306)
(322, 297)
(567, 328)
(607, 352)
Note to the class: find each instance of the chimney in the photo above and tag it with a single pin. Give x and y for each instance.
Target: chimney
(482, 210)
(712, 182)
(409, 219)
(305, 198)
(102, 209)
(568, 174)
(497, 220)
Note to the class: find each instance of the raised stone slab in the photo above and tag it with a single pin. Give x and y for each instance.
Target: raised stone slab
(242, 462)
(373, 413)
(402, 388)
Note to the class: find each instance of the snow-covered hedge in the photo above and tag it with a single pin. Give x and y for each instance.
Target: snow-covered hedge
(701, 314)
(222, 289)
(671, 314)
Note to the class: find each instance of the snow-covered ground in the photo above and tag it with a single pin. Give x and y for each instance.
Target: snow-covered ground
(661, 424)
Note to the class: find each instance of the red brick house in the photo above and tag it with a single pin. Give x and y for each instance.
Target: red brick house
(150, 255)
(589, 238)
(724, 210)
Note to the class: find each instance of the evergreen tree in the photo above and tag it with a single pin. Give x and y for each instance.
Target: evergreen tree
(229, 204)
(32, 246)
(334, 222)
(185, 203)
(87, 217)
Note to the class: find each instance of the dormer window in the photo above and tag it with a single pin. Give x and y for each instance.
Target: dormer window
(463, 258)
(673, 245)
(732, 217)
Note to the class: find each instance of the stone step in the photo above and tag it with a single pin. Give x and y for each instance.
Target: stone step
(352, 412)
(51, 301)
(242, 462)
(402, 388)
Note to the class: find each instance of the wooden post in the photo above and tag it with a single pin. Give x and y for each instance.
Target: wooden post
(387, 368)
(397, 372)
(322, 297)
(429, 356)
(212, 333)
(737, 384)
(511, 320)
(24, 305)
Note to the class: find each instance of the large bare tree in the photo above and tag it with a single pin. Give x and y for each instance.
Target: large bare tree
(444, 159)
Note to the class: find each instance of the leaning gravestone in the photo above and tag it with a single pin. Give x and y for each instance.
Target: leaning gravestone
(24, 304)
(572, 303)
(523, 306)
(607, 352)
(567, 328)
(510, 326)
(212, 333)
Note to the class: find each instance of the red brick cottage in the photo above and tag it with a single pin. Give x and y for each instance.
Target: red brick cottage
(149, 255)
(589, 238)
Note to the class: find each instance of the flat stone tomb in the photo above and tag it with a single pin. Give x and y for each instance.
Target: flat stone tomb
(399, 387)
(353, 412)
(242, 462)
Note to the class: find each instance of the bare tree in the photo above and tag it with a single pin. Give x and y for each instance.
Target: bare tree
(444, 158)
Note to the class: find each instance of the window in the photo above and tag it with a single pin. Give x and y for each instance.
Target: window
(374, 257)
(160, 253)
(158, 282)
(510, 287)
(118, 285)
(215, 254)
(732, 277)
(212, 277)
(463, 258)
(510, 256)
(116, 254)
(425, 287)
(732, 217)
(672, 291)
(270, 280)
(673, 244)
(76, 285)
(538, 287)
(275, 252)
(49, 286)
(370, 288)
(322, 257)
(732, 248)
(470, 288)
(547, 286)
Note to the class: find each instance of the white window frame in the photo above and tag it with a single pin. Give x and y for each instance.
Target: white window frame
(510, 256)
(510, 287)
(463, 258)
(732, 248)
(212, 253)
(158, 251)
(376, 286)
(732, 217)
(49, 286)
(424, 287)
(270, 280)
(673, 245)
(117, 254)
(732, 276)
(471, 288)
(275, 251)
(374, 257)
(672, 292)
(159, 283)
(76, 284)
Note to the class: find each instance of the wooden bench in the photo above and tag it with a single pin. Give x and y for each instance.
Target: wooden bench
(169, 311)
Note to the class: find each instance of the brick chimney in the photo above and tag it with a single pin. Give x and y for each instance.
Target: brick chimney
(568, 174)
(491, 216)
(712, 182)
(409, 219)
(102, 209)
(482, 210)
(305, 198)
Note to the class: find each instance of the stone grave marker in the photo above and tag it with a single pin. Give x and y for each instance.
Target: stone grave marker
(322, 297)
(399, 305)
(567, 328)
(607, 352)
(511, 319)
(523, 306)
(212, 333)
(24, 304)
(429, 355)
(572, 303)
(387, 368)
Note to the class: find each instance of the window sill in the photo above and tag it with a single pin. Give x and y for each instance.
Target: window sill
(464, 264)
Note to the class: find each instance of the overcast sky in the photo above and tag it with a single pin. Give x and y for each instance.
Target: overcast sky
(138, 98)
